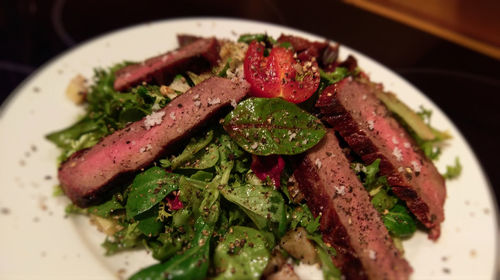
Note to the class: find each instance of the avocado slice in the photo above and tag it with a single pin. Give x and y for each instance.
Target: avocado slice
(411, 118)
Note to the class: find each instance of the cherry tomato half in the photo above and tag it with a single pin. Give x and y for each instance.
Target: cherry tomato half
(280, 74)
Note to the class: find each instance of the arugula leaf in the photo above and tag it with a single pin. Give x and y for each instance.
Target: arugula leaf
(107, 208)
(266, 126)
(399, 222)
(302, 216)
(332, 77)
(330, 271)
(127, 238)
(383, 201)
(453, 171)
(243, 254)
(192, 148)
(248, 38)
(148, 189)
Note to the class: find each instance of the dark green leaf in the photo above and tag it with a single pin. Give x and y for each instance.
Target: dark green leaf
(107, 208)
(330, 272)
(264, 203)
(335, 76)
(148, 189)
(399, 222)
(243, 254)
(192, 148)
(192, 264)
(203, 159)
(248, 38)
(266, 126)
(383, 201)
(149, 224)
(164, 247)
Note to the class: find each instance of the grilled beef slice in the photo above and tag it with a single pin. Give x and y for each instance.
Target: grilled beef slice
(90, 173)
(349, 222)
(353, 110)
(196, 56)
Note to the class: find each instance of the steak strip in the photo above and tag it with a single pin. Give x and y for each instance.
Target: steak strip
(353, 110)
(196, 56)
(90, 173)
(349, 222)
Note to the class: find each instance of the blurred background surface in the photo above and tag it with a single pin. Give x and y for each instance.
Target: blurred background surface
(451, 56)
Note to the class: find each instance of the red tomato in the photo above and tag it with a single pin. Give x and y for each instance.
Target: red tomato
(279, 74)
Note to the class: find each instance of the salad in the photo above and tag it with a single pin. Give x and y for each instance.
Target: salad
(224, 202)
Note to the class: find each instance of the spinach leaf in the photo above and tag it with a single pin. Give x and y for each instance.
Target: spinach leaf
(243, 254)
(149, 224)
(148, 189)
(261, 203)
(399, 222)
(266, 126)
(192, 264)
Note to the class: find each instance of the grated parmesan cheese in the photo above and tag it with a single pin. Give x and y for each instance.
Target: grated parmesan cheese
(371, 125)
(155, 118)
(395, 140)
(397, 153)
(416, 166)
(234, 103)
(340, 190)
(407, 145)
(172, 115)
(372, 254)
(213, 101)
(318, 163)
(146, 148)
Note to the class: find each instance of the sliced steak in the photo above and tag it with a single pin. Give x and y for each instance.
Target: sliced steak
(349, 222)
(196, 56)
(306, 50)
(353, 110)
(86, 175)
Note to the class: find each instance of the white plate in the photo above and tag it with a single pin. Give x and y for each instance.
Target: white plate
(37, 241)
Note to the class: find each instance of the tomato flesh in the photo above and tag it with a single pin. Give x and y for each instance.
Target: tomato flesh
(280, 74)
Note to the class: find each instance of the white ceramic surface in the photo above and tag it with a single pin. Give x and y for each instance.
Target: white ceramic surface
(37, 241)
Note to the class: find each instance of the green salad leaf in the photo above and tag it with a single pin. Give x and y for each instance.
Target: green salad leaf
(192, 264)
(266, 126)
(243, 254)
(399, 222)
(148, 189)
(261, 203)
(453, 171)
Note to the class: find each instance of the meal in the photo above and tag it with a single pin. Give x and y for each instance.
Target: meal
(238, 160)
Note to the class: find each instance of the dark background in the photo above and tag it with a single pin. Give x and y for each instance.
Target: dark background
(464, 83)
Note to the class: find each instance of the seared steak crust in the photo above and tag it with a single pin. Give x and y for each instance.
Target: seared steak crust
(349, 222)
(87, 174)
(353, 110)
